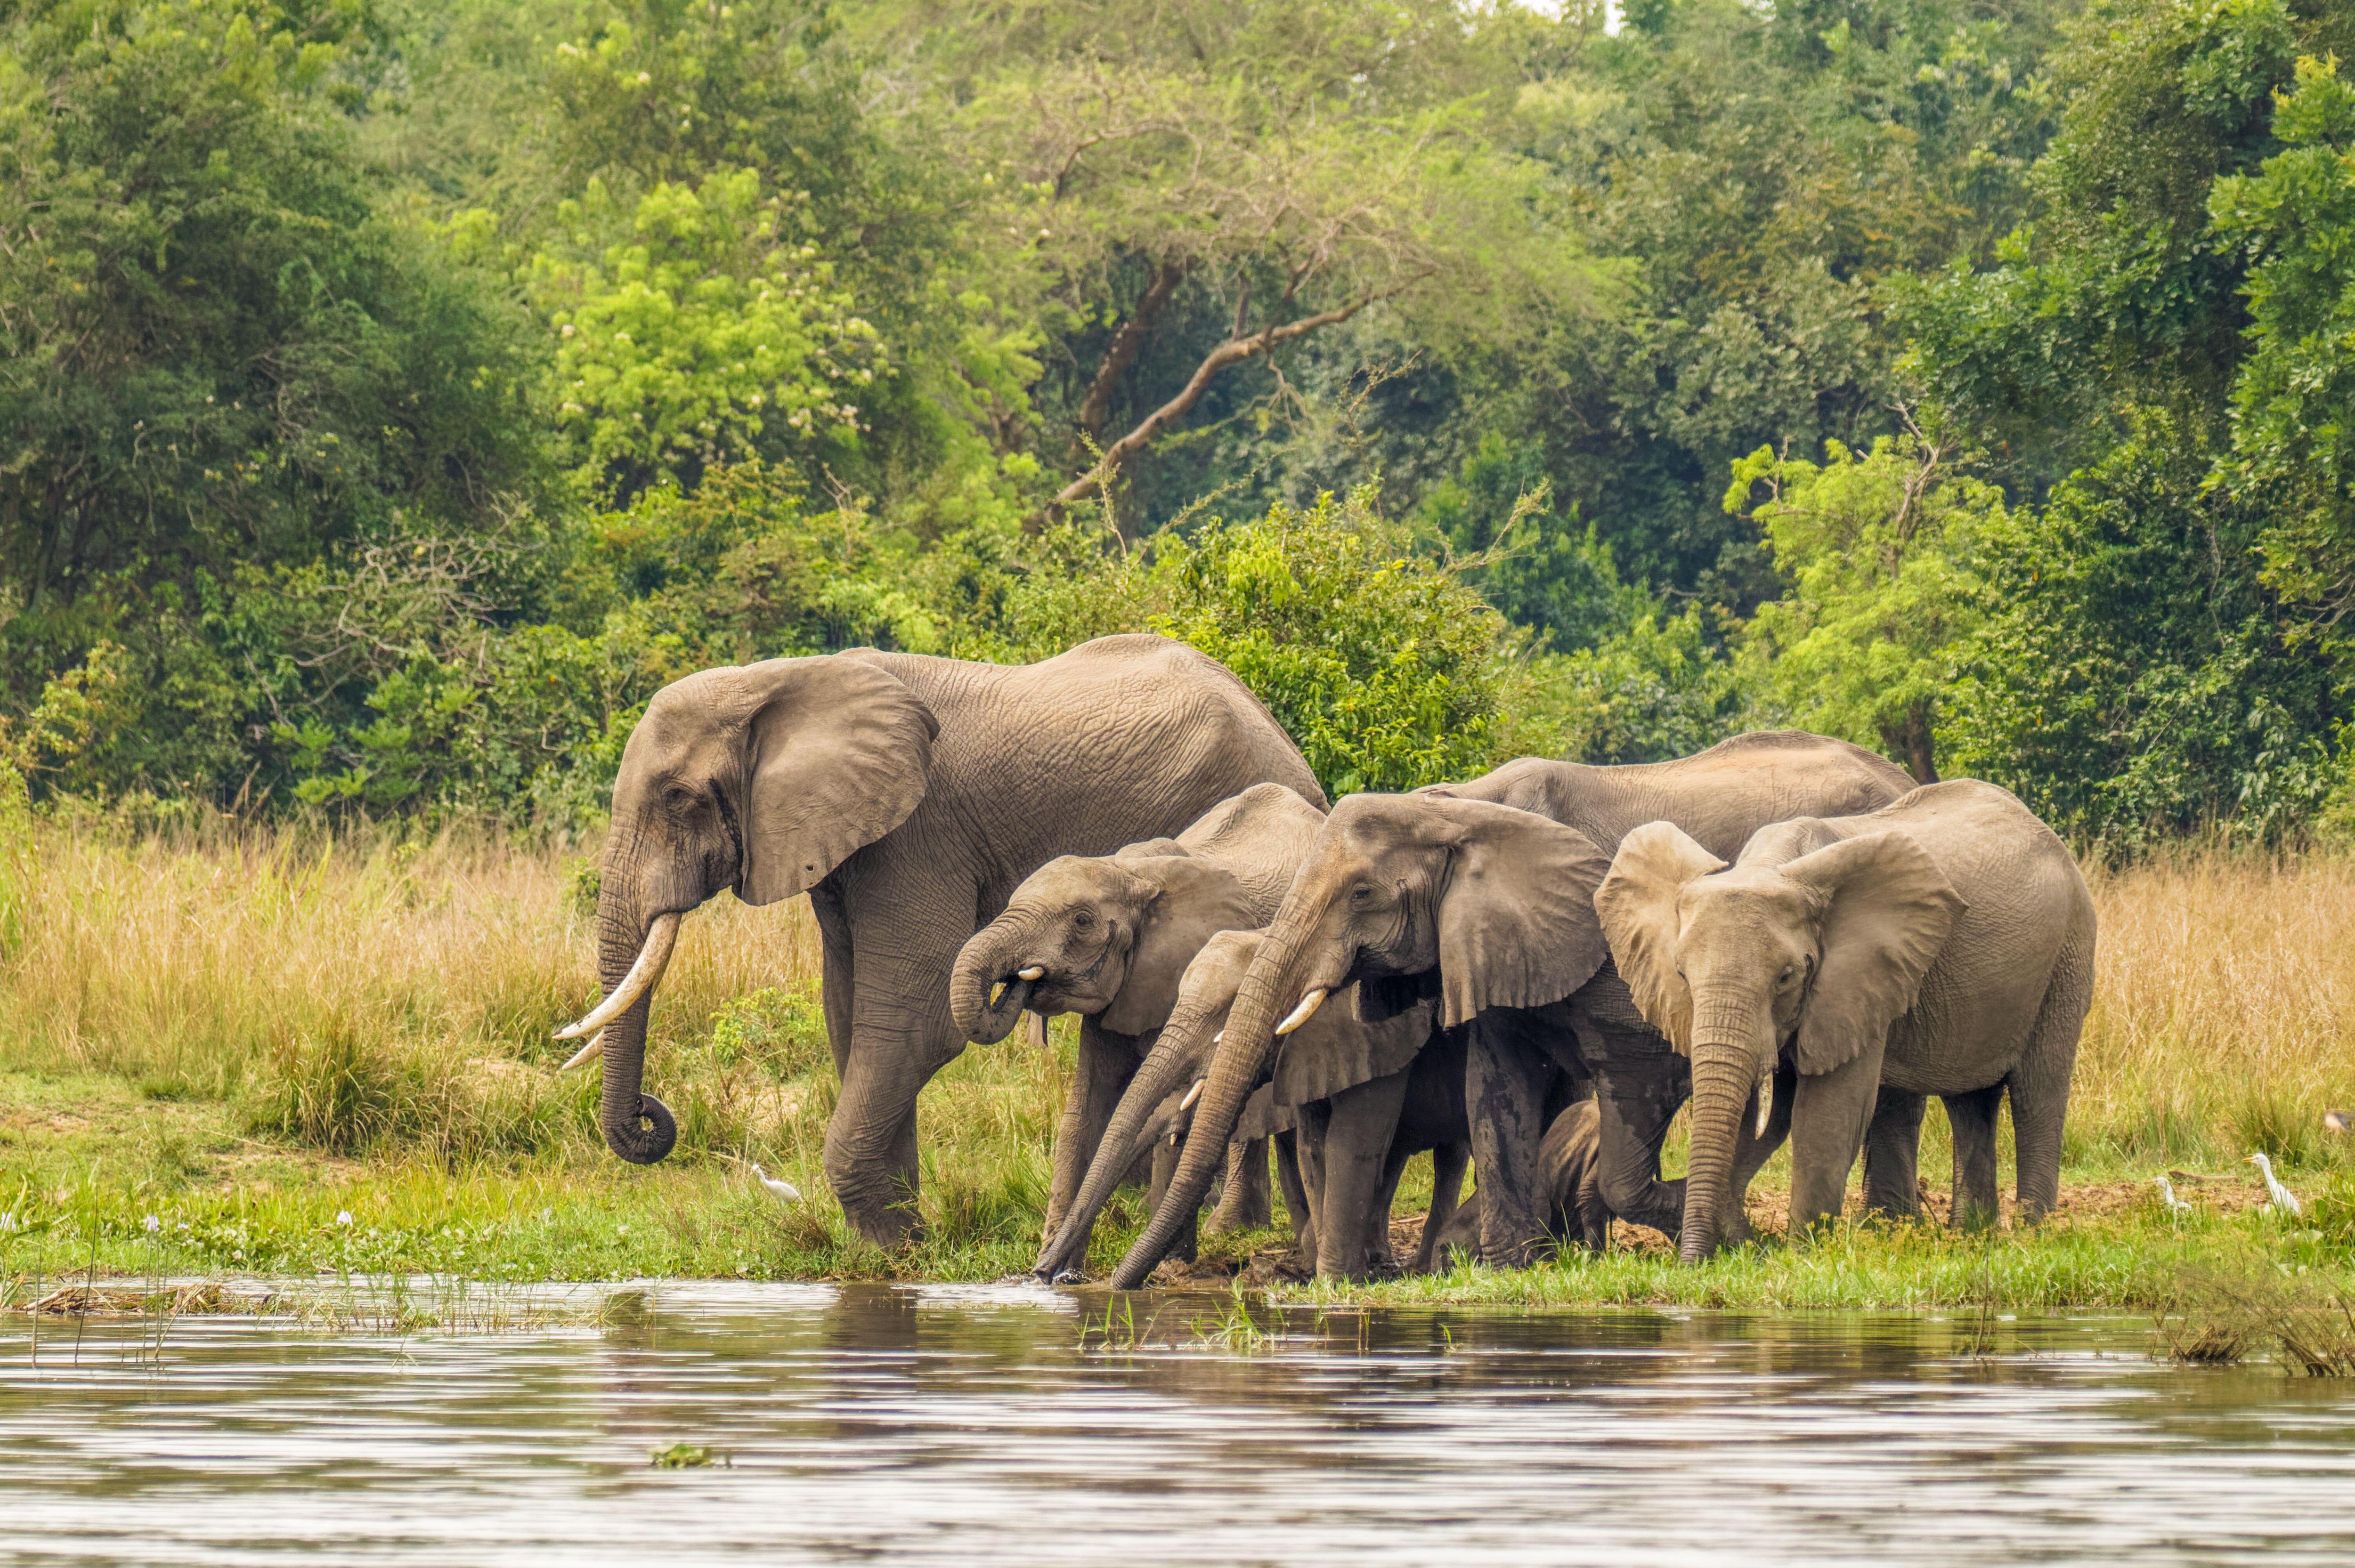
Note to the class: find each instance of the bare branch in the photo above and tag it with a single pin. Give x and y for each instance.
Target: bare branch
(1127, 344)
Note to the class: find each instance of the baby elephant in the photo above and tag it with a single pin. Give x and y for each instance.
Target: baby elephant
(1569, 1186)
(1940, 945)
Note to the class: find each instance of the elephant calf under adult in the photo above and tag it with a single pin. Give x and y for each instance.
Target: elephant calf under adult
(908, 796)
(1941, 945)
(1109, 937)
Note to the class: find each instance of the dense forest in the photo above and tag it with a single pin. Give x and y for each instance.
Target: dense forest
(395, 393)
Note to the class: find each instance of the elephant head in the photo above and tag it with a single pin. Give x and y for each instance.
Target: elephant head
(1409, 896)
(761, 777)
(1106, 936)
(1821, 950)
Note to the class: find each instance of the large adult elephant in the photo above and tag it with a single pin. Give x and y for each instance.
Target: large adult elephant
(908, 796)
(1480, 895)
(1941, 945)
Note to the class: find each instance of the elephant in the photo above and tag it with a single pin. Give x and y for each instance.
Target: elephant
(908, 796)
(1109, 937)
(1479, 896)
(1940, 945)
(1352, 1144)
(1570, 1178)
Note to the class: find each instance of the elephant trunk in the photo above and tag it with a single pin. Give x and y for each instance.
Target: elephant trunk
(638, 1127)
(995, 953)
(1164, 1071)
(1725, 1072)
(1235, 1072)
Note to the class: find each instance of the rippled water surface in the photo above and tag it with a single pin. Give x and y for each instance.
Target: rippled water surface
(987, 1424)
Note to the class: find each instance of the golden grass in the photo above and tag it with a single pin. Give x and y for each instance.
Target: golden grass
(269, 1008)
(2224, 1015)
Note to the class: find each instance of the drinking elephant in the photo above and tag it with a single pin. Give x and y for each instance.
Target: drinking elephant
(908, 796)
(1940, 945)
(1479, 896)
(1109, 937)
(1350, 1150)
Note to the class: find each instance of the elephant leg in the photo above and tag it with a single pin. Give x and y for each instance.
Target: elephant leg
(1827, 1127)
(1505, 1087)
(1751, 1152)
(1361, 1125)
(1164, 1166)
(1893, 1152)
(1972, 1116)
(1639, 1088)
(1314, 1116)
(2039, 1083)
(1448, 1163)
(901, 1033)
(1377, 1213)
(1287, 1177)
(835, 989)
(1248, 1204)
(1106, 1063)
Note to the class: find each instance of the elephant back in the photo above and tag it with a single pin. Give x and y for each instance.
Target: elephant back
(1261, 835)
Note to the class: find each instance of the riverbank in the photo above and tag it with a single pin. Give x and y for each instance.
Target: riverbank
(302, 1054)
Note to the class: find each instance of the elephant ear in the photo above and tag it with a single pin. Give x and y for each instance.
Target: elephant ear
(1887, 912)
(1517, 924)
(1180, 904)
(1637, 902)
(838, 753)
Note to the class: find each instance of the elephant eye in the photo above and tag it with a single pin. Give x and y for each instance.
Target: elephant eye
(1784, 978)
(1082, 920)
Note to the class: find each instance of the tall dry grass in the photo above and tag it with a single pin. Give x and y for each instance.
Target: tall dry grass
(2224, 1015)
(372, 995)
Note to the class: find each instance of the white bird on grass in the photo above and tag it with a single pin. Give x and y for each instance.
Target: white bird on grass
(2285, 1200)
(783, 1191)
(2175, 1205)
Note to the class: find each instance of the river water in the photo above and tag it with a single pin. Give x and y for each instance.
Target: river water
(990, 1425)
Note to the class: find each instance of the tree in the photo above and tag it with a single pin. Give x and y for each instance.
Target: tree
(1878, 547)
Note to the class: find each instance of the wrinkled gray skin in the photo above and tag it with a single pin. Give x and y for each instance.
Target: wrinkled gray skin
(908, 796)
(1941, 945)
(1570, 1178)
(1480, 894)
(1114, 934)
(1350, 1151)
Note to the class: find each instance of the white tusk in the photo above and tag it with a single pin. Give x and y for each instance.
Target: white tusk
(1303, 1013)
(1766, 1101)
(1192, 1094)
(652, 958)
(589, 1053)
(1221, 1034)
(1036, 971)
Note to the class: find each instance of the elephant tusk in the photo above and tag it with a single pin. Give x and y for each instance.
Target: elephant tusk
(1221, 1034)
(589, 1053)
(1035, 972)
(652, 958)
(1192, 1094)
(1303, 1013)
(1766, 1107)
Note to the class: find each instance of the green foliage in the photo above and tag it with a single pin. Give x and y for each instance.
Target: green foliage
(1879, 550)
(706, 337)
(1385, 670)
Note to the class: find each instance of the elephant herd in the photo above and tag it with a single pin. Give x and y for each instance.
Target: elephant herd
(1527, 974)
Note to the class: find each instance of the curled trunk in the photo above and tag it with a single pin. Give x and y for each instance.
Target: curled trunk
(1235, 1072)
(636, 1126)
(992, 956)
(1162, 1073)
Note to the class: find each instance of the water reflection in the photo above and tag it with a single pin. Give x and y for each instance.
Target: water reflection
(969, 1424)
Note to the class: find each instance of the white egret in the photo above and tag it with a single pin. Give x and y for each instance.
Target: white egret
(2175, 1205)
(783, 1191)
(2285, 1200)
